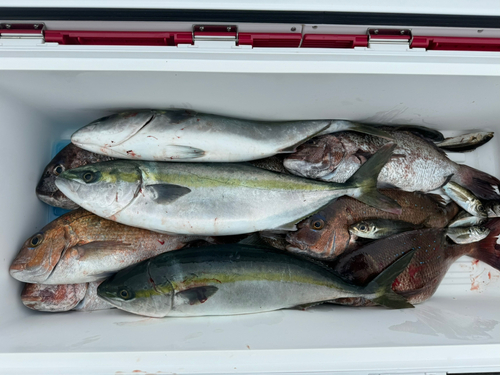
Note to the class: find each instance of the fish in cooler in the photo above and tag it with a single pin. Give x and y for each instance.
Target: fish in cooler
(212, 198)
(187, 136)
(81, 247)
(237, 279)
(325, 234)
(417, 164)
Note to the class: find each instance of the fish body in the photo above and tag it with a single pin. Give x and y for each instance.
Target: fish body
(69, 157)
(325, 235)
(233, 279)
(417, 164)
(180, 135)
(59, 298)
(465, 142)
(464, 219)
(380, 228)
(433, 257)
(210, 198)
(492, 208)
(467, 235)
(465, 199)
(81, 247)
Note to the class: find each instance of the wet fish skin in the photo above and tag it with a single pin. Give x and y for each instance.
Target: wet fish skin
(465, 199)
(186, 198)
(325, 235)
(234, 279)
(467, 235)
(69, 157)
(380, 228)
(433, 257)
(464, 219)
(465, 142)
(417, 164)
(60, 298)
(53, 298)
(187, 136)
(81, 247)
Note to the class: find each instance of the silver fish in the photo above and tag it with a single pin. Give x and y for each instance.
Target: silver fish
(465, 142)
(215, 198)
(464, 219)
(237, 279)
(492, 208)
(417, 164)
(465, 199)
(380, 228)
(180, 135)
(467, 235)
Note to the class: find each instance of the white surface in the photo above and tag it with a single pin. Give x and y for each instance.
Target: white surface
(46, 92)
(465, 7)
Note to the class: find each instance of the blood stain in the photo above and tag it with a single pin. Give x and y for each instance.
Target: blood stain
(161, 242)
(150, 136)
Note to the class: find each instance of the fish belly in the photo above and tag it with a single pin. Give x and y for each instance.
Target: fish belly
(224, 210)
(208, 138)
(247, 297)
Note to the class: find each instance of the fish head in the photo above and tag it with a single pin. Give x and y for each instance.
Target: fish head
(318, 237)
(46, 189)
(102, 188)
(493, 208)
(478, 208)
(41, 253)
(53, 298)
(316, 158)
(363, 229)
(111, 131)
(478, 233)
(134, 290)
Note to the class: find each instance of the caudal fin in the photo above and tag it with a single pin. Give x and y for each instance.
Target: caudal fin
(487, 250)
(483, 185)
(366, 177)
(381, 286)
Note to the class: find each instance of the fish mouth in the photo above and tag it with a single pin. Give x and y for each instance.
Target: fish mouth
(57, 201)
(68, 185)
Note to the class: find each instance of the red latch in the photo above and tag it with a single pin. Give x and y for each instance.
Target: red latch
(334, 41)
(270, 40)
(446, 43)
(109, 38)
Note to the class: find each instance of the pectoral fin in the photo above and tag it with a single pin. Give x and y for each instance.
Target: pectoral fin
(179, 152)
(195, 296)
(166, 193)
(98, 247)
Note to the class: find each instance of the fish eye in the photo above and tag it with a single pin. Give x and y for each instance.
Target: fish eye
(480, 208)
(363, 227)
(36, 240)
(318, 224)
(88, 177)
(58, 169)
(124, 294)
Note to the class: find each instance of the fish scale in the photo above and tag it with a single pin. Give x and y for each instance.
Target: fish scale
(334, 238)
(82, 247)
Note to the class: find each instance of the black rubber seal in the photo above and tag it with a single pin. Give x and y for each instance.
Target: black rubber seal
(241, 16)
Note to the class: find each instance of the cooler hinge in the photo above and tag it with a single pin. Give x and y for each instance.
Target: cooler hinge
(13, 34)
(389, 37)
(215, 33)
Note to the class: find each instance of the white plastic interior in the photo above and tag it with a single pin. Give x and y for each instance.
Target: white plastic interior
(47, 92)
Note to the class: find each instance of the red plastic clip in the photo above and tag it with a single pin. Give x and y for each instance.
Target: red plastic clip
(270, 39)
(334, 41)
(445, 43)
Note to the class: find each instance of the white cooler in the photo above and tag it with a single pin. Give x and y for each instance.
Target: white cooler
(436, 65)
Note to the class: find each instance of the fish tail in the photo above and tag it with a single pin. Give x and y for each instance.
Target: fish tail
(481, 184)
(381, 286)
(365, 179)
(487, 250)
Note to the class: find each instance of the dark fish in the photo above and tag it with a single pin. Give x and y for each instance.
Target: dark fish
(69, 157)
(417, 164)
(433, 257)
(325, 234)
(465, 142)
